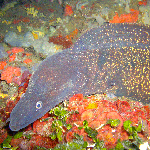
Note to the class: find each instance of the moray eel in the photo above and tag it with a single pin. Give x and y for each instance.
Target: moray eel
(113, 58)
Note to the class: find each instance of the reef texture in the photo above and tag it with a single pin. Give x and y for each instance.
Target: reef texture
(113, 58)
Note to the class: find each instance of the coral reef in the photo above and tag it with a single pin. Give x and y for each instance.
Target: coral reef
(31, 31)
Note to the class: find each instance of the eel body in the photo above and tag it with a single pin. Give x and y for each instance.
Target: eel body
(113, 58)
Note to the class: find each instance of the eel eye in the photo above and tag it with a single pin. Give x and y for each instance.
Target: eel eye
(39, 105)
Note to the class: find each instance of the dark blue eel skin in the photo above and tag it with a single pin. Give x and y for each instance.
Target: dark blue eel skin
(113, 58)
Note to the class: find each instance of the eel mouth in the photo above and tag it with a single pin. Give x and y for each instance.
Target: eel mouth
(13, 127)
(16, 125)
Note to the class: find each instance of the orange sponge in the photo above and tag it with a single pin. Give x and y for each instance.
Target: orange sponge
(17, 49)
(2, 64)
(10, 72)
(12, 57)
(27, 61)
(131, 17)
(68, 10)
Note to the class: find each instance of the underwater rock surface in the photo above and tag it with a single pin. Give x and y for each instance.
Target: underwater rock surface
(2, 51)
(40, 45)
(113, 58)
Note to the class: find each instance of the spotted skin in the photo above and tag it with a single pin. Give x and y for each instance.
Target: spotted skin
(113, 58)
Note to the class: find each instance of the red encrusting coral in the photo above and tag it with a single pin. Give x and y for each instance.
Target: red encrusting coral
(97, 112)
(17, 50)
(12, 57)
(38, 125)
(72, 35)
(37, 138)
(9, 73)
(27, 61)
(12, 73)
(143, 2)
(2, 64)
(12, 53)
(131, 17)
(68, 10)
